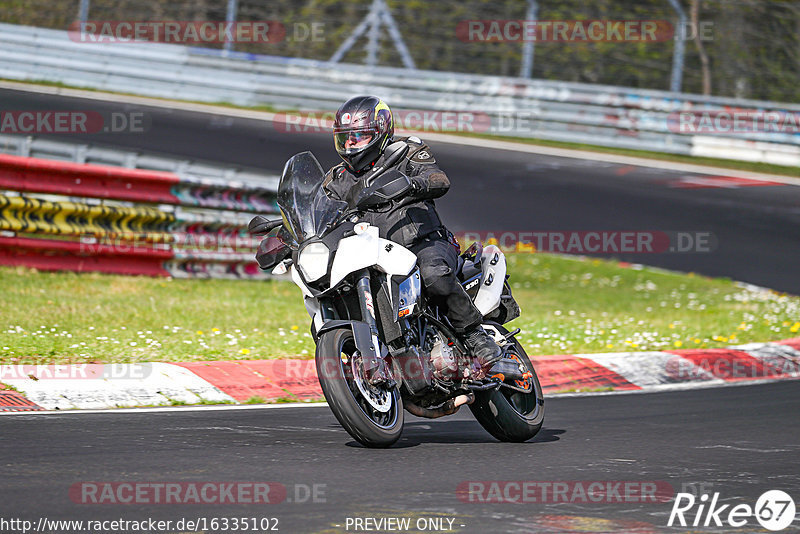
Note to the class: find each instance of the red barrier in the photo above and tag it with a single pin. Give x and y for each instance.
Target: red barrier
(52, 255)
(78, 179)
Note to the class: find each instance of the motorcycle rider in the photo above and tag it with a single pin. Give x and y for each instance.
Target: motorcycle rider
(363, 128)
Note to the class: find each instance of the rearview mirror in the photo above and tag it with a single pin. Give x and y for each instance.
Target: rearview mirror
(260, 225)
(391, 155)
(394, 152)
(388, 186)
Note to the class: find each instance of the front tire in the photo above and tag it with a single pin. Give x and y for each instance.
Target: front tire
(344, 387)
(511, 415)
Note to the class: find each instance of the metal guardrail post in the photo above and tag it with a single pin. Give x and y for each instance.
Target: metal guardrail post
(676, 80)
(374, 33)
(526, 69)
(230, 18)
(83, 11)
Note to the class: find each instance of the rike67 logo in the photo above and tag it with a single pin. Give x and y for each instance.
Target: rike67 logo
(774, 510)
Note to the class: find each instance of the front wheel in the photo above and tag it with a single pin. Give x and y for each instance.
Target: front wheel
(510, 415)
(373, 416)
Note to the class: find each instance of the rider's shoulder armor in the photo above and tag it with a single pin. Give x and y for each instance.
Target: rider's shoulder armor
(418, 151)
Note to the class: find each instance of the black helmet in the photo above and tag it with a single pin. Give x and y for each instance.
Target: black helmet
(363, 127)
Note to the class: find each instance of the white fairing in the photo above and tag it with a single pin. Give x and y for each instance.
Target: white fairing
(312, 306)
(488, 298)
(367, 250)
(299, 282)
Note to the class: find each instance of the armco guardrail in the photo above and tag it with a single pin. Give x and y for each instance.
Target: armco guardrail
(584, 113)
(61, 215)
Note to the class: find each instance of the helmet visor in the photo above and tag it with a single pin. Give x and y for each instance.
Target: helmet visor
(353, 139)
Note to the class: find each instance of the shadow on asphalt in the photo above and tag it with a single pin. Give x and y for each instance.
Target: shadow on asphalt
(455, 432)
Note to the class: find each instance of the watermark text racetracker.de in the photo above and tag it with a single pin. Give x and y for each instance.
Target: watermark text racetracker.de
(208, 492)
(426, 120)
(564, 491)
(194, 32)
(79, 371)
(720, 365)
(595, 241)
(743, 121)
(581, 31)
(72, 122)
(151, 525)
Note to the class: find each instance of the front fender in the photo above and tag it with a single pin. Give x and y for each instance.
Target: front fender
(363, 337)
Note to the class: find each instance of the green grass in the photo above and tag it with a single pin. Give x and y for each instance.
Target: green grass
(681, 158)
(68, 317)
(569, 305)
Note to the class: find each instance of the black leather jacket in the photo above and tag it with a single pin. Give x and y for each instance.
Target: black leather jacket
(414, 217)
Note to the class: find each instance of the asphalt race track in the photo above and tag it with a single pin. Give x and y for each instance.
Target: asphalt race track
(755, 229)
(738, 441)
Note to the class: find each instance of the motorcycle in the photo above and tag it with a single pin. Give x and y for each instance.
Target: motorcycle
(370, 315)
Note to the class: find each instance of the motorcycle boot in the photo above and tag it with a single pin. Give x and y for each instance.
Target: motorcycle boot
(482, 347)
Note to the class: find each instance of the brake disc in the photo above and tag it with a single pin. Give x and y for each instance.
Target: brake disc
(380, 399)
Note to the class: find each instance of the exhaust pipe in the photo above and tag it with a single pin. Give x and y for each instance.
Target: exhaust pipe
(450, 407)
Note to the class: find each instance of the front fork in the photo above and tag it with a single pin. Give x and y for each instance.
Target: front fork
(374, 364)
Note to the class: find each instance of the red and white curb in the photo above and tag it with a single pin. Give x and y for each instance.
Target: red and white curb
(96, 386)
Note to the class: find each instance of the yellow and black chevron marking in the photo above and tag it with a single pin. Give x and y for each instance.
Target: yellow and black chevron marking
(33, 215)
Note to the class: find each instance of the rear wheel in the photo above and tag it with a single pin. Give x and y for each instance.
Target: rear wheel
(373, 416)
(510, 415)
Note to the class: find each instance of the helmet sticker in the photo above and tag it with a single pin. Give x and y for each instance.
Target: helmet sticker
(381, 105)
(346, 118)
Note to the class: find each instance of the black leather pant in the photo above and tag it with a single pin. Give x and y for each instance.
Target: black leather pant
(438, 262)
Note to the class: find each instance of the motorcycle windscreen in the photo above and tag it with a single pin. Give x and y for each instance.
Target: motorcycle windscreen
(306, 209)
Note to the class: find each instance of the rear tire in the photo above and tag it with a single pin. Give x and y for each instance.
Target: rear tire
(510, 415)
(338, 365)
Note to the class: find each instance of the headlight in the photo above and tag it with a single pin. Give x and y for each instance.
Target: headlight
(313, 261)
